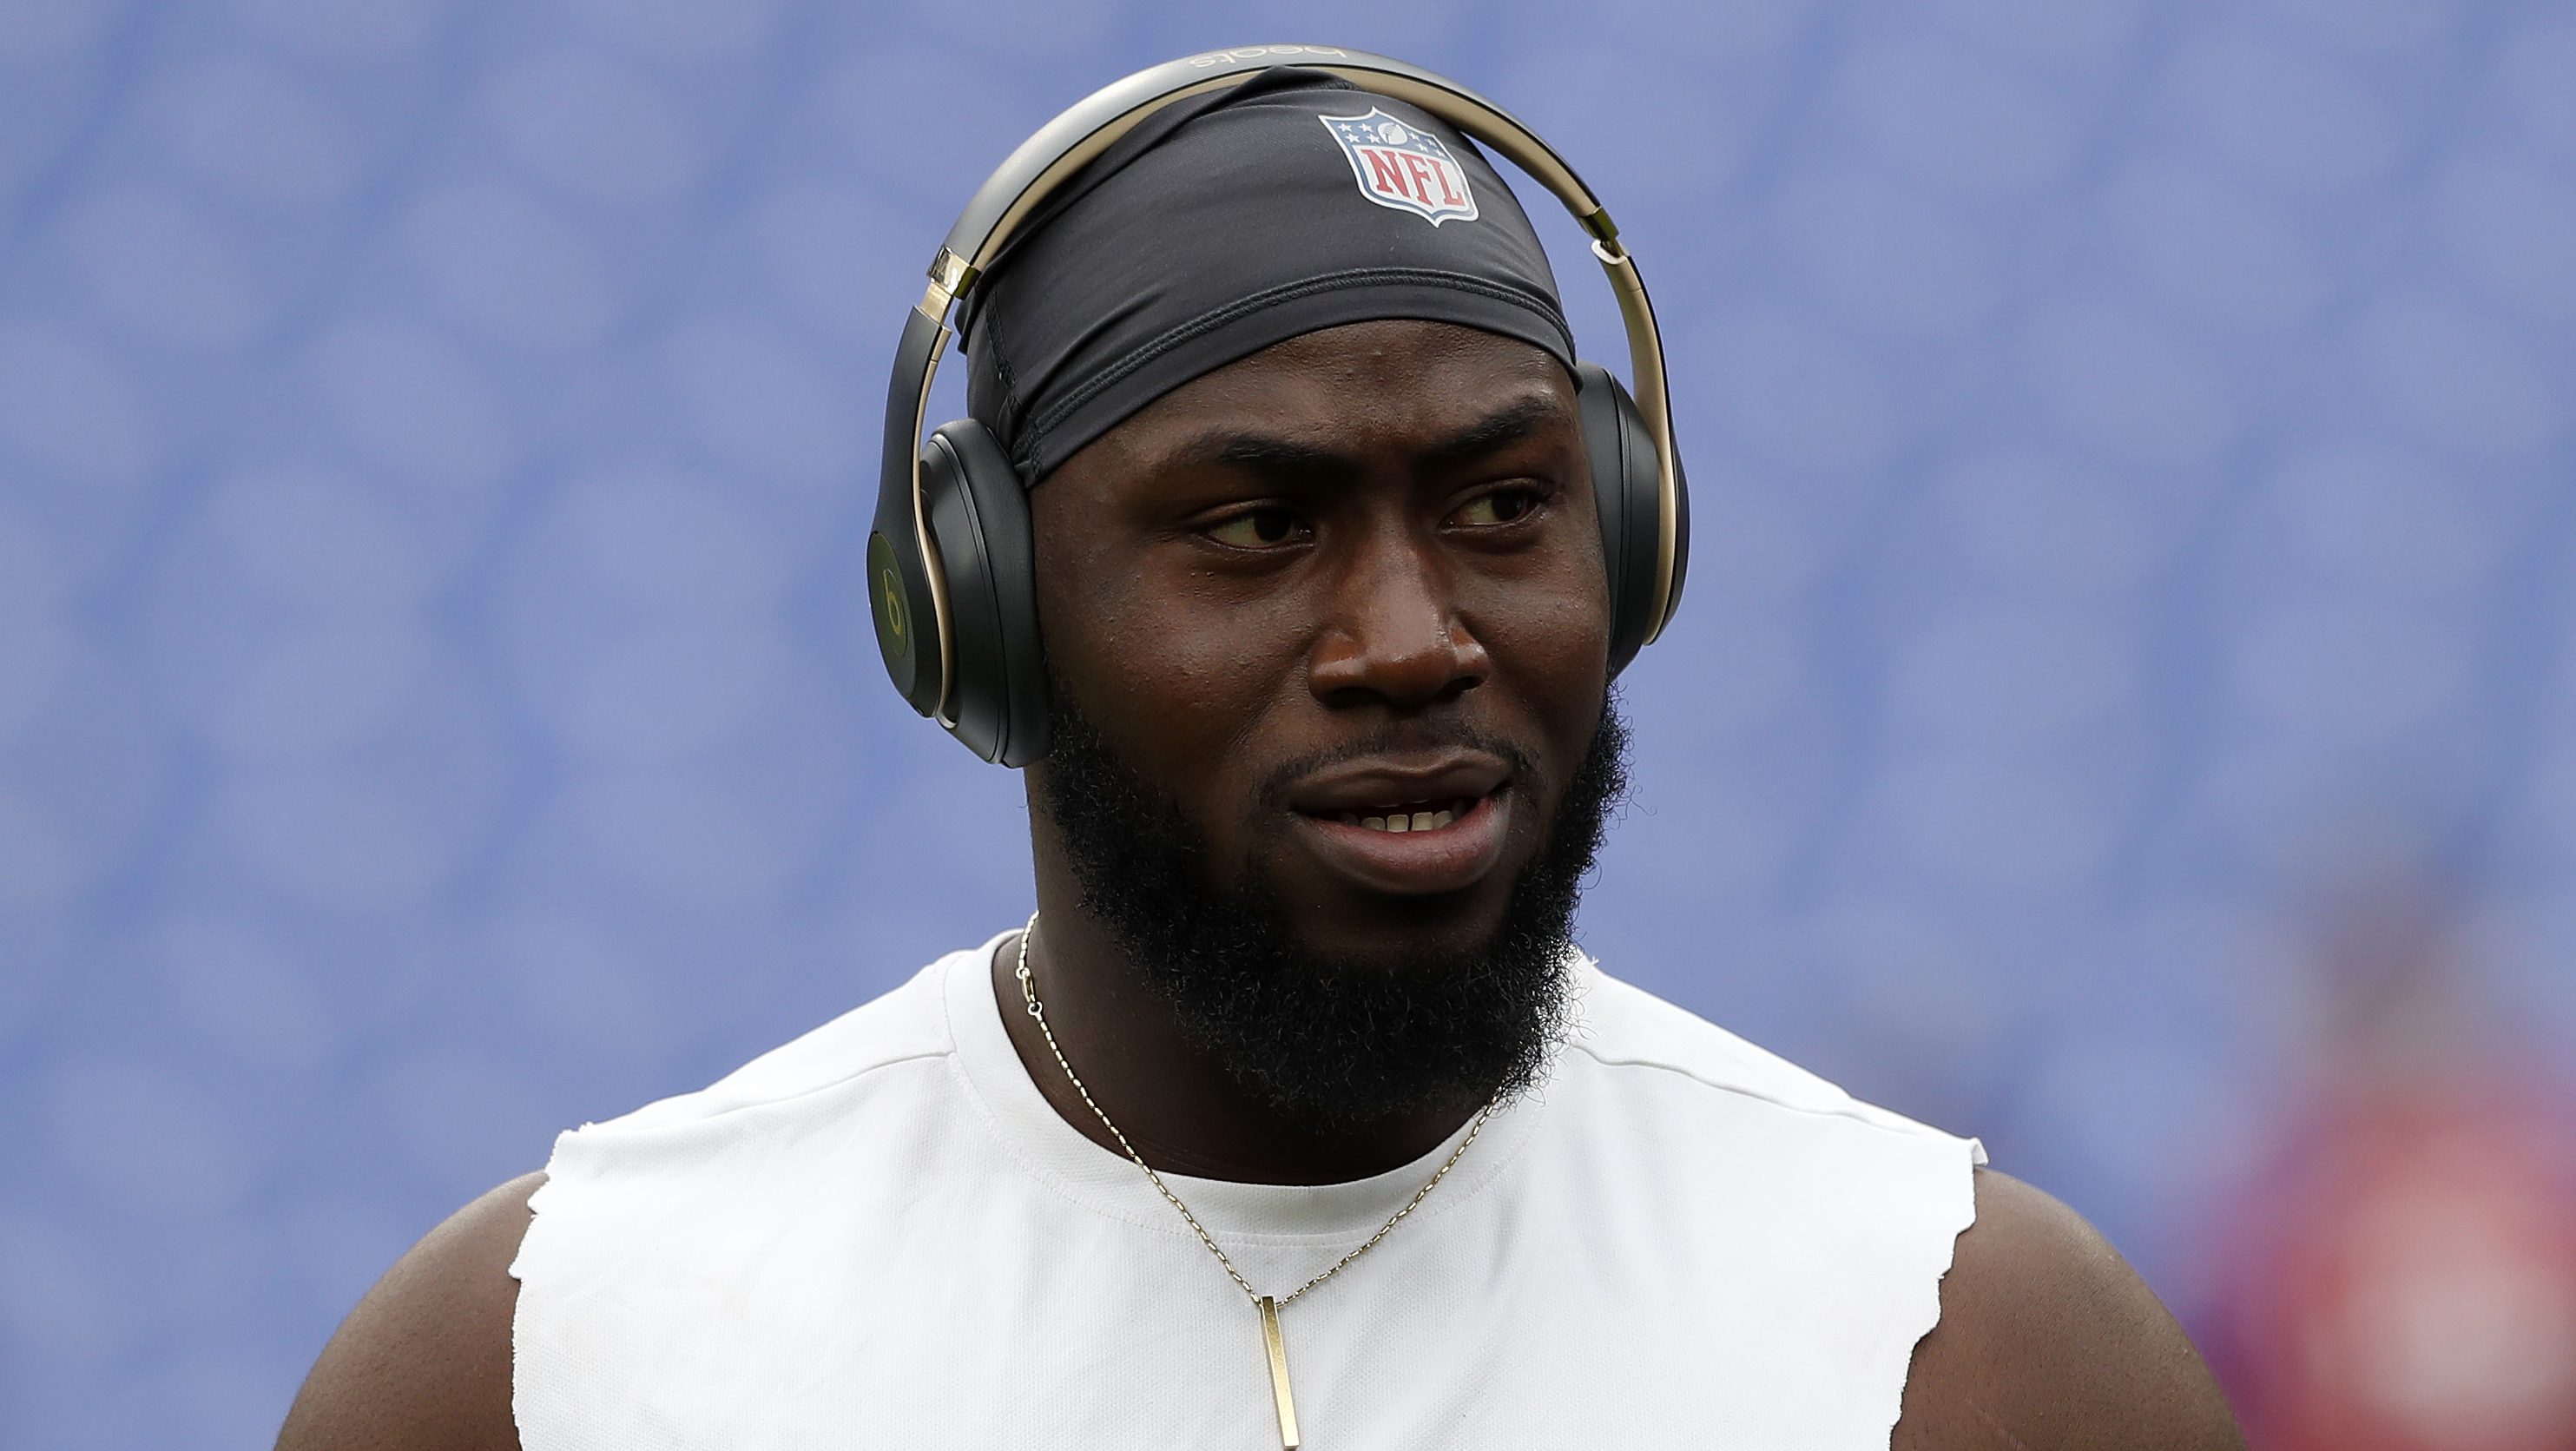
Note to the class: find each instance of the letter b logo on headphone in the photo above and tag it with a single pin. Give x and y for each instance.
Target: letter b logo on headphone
(894, 623)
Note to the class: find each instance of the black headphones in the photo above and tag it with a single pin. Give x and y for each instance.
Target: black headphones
(951, 576)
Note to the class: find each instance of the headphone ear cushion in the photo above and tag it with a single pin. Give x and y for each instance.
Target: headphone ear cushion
(1628, 491)
(979, 527)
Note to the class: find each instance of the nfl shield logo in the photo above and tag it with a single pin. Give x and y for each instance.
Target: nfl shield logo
(1401, 166)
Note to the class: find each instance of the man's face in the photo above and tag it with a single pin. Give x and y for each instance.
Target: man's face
(1356, 576)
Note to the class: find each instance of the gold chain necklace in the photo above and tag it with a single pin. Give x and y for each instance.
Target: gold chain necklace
(1272, 1344)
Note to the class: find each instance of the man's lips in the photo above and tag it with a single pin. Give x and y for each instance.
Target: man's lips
(1378, 786)
(1453, 812)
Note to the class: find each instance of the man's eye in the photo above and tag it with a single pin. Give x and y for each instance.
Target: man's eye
(1502, 506)
(1265, 528)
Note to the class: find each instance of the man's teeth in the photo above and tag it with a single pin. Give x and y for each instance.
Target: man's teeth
(1398, 821)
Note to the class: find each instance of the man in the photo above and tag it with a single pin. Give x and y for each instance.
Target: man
(1291, 1116)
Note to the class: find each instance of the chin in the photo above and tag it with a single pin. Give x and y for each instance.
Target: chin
(1401, 934)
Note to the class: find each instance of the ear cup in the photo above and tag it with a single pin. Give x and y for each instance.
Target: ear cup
(1681, 543)
(978, 514)
(1629, 493)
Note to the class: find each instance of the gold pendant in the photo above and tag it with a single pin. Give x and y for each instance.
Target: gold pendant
(1277, 1347)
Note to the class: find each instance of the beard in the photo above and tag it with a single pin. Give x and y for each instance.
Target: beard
(1330, 1042)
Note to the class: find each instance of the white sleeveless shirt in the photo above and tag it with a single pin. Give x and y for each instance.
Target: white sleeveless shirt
(881, 1235)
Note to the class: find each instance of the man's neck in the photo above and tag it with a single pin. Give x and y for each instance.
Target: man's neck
(1179, 1107)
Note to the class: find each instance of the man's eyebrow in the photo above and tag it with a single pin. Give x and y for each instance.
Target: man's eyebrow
(1494, 433)
(1272, 454)
(1264, 453)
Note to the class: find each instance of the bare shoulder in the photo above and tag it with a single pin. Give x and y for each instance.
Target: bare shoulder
(2048, 1341)
(423, 1363)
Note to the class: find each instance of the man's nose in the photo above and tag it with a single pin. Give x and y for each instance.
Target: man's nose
(1395, 636)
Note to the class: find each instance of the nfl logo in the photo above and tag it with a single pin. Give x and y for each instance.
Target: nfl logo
(1401, 166)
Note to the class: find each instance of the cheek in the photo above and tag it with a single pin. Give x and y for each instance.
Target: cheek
(1548, 632)
(1550, 642)
(1176, 676)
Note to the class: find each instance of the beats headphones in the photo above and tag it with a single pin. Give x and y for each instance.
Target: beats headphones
(951, 577)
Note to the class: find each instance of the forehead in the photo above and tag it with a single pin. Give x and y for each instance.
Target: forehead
(1387, 386)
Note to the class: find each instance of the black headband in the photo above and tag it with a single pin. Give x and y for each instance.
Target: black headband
(1231, 221)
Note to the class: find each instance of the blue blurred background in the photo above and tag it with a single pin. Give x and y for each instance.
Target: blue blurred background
(2132, 452)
